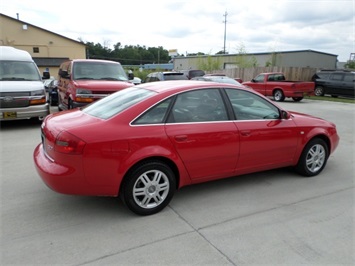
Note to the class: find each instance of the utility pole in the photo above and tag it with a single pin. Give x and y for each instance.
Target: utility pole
(225, 30)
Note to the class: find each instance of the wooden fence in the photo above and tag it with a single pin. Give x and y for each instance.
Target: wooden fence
(291, 73)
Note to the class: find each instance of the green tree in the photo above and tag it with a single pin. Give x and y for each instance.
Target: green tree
(350, 64)
(208, 63)
(129, 54)
(243, 59)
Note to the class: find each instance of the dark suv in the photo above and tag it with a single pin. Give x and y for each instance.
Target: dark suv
(168, 75)
(334, 82)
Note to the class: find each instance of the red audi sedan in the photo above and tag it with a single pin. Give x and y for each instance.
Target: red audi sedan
(144, 142)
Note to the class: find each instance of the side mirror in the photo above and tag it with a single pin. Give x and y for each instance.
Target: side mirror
(46, 75)
(253, 80)
(64, 74)
(130, 76)
(285, 115)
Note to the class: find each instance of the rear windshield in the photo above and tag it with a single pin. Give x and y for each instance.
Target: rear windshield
(117, 102)
(175, 76)
(196, 73)
(19, 71)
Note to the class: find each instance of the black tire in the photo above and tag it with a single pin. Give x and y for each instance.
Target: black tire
(279, 96)
(51, 103)
(70, 104)
(297, 99)
(319, 91)
(148, 188)
(313, 158)
(59, 104)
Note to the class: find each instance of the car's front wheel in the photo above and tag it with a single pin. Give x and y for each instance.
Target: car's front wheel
(313, 158)
(148, 188)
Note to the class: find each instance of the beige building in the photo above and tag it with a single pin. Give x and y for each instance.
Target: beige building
(47, 48)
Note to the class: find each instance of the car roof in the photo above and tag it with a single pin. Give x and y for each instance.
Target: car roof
(175, 86)
(94, 60)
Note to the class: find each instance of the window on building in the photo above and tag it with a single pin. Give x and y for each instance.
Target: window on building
(36, 50)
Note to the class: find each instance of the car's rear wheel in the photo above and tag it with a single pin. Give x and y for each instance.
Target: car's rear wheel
(148, 188)
(319, 91)
(297, 99)
(313, 158)
(279, 96)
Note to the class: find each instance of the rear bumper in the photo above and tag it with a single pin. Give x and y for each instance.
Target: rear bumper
(66, 179)
(300, 93)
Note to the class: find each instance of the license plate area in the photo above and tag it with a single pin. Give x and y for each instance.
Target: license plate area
(9, 115)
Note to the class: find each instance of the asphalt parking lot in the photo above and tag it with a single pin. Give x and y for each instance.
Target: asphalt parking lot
(274, 217)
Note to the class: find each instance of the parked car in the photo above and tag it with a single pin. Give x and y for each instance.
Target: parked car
(275, 84)
(144, 142)
(222, 74)
(191, 73)
(22, 92)
(53, 92)
(334, 82)
(166, 75)
(46, 83)
(135, 80)
(83, 81)
(221, 79)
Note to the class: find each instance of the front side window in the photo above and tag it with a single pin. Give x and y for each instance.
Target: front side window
(117, 102)
(249, 106)
(259, 78)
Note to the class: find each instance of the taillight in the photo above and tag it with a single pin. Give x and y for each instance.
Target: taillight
(68, 143)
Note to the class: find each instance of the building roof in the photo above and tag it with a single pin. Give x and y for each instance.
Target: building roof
(24, 22)
(266, 53)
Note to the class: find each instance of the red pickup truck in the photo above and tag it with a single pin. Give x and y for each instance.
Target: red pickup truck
(274, 84)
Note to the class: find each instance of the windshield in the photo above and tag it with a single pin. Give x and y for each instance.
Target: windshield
(117, 102)
(19, 71)
(99, 71)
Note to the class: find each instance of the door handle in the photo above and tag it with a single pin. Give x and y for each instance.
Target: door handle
(181, 138)
(245, 133)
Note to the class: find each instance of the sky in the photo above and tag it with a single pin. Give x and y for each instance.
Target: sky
(192, 26)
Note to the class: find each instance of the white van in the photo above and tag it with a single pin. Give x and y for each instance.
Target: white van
(22, 92)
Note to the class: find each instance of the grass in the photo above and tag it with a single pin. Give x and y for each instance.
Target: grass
(331, 99)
